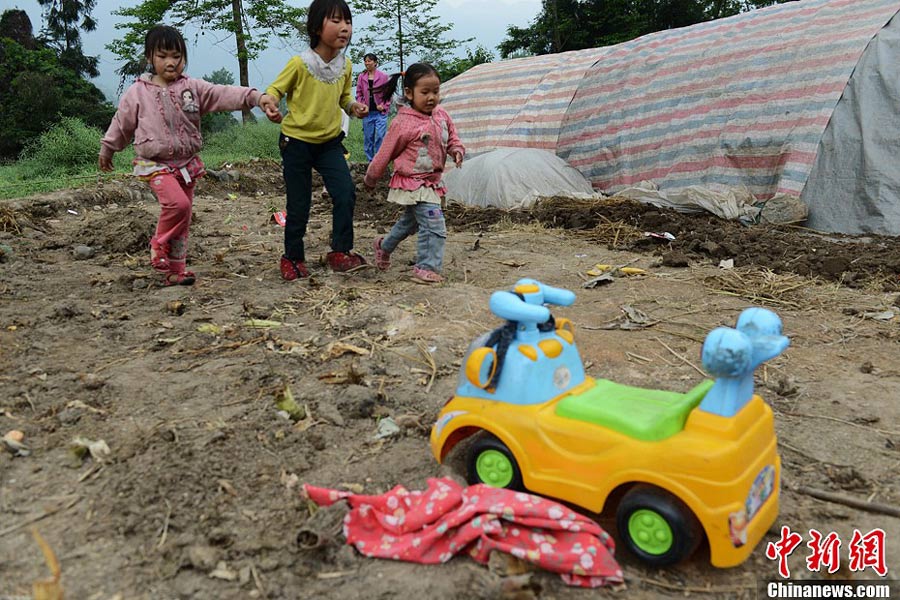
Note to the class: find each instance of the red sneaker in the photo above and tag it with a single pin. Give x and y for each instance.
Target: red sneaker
(344, 261)
(293, 269)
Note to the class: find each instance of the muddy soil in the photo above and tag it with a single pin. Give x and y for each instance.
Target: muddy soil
(198, 495)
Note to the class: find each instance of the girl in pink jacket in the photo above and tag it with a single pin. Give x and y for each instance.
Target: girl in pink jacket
(161, 113)
(419, 140)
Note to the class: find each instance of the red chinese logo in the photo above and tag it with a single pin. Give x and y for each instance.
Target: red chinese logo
(865, 550)
(825, 552)
(868, 551)
(783, 548)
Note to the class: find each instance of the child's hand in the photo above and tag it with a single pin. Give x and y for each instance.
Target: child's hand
(457, 157)
(359, 110)
(380, 107)
(105, 163)
(270, 107)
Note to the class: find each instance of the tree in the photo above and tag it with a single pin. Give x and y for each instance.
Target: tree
(218, 121)
(402, 28)
(564, 25)
(238, 18)
(449, 68)
(36, 89)
(62, 21)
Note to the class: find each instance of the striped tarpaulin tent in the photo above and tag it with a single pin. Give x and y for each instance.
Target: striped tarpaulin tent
(737, 101)
(518, 103)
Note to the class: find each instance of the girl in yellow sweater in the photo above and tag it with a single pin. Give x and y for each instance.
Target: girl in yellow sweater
(317, 86)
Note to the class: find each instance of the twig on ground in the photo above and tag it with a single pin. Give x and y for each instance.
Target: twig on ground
(165, 527)
(693, 589)
(257, 581)
(796, 450)
(687, 336)
(683, 359)
(93, 470)
(30, 402)
(42, 516)
(430, 361)
(112, 363)
(872, 507)
(837, 420)
(638, 357)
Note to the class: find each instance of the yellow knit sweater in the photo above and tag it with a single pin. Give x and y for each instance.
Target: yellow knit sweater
(314, 105)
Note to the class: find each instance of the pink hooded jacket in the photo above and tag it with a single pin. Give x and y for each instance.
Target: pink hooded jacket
(379, 78)
(165, 121)
(418, 144)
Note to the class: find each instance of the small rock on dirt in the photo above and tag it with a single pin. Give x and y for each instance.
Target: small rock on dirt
(202, 558)
(330, 413)
(674, 259)
(68, 416)
(82, 252)
(92, 381)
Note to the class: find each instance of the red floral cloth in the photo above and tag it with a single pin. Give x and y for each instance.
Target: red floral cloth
(446, 519)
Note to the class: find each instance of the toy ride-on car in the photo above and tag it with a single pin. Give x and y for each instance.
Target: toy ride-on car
(683, 466)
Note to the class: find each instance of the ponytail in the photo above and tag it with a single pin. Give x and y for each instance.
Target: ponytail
(390, 88)
(410, 76)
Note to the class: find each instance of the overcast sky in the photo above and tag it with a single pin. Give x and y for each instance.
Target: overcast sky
(484, 20)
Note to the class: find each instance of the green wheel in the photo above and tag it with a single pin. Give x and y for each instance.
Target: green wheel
(490, 462)
(657, 527)
(650, 532)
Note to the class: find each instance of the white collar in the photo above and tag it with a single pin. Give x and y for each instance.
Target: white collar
(328, 72)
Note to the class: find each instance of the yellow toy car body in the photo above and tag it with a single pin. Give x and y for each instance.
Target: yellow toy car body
(679, 471)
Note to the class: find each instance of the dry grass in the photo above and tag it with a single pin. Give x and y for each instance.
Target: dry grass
(767, 288)
(613, 233)
(11, 220)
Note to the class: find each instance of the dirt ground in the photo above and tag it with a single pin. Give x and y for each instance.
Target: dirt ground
(198, 495)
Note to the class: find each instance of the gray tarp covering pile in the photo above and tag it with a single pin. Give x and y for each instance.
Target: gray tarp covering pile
(514, 178)
(854, 186)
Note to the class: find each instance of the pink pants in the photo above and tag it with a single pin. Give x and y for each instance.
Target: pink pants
(176, 199)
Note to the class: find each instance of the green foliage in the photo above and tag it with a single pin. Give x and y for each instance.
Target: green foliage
(218, 121)
(67, 148)
(61, 32)
(36, 90)
(401, 28)
(235, 144)
(354, 142)
(240, 19)
(564, 25)
(449, 68)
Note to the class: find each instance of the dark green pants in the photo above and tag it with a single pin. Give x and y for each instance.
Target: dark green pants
(298, 159)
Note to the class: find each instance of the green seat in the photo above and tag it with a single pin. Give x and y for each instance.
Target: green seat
(648, 415)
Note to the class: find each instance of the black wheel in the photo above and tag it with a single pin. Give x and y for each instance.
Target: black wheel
(657, 527)
(489, 461)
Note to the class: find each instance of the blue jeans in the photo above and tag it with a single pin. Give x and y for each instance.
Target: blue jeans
(428, 219)
(374, 127)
